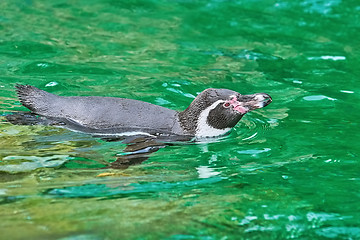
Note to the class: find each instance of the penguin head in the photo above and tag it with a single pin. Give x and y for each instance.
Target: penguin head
(215, 111)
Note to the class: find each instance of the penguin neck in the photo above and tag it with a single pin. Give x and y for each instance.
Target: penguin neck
(194, 120)
(190, 116)
(189, 120)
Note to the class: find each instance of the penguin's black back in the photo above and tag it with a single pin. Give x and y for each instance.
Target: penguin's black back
(100, 112)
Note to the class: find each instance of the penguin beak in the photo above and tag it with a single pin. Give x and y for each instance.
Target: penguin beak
(260, 100)
(246, 103)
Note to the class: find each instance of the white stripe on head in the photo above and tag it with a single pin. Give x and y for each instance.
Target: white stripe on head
(203, 129)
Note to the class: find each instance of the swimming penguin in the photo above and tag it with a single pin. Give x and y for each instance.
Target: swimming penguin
(214, 112)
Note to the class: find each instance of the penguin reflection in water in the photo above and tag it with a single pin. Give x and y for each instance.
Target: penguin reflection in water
(144, 127)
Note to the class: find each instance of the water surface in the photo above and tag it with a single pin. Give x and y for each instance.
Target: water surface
(290, 170)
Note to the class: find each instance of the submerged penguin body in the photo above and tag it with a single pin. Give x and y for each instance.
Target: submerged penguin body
(212, 113)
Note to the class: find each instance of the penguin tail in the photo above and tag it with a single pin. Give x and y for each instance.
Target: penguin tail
(28, 118)
(33, 98)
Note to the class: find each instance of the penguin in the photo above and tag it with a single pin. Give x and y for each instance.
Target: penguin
(214, 112)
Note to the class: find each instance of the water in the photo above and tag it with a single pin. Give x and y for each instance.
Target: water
(290, 170)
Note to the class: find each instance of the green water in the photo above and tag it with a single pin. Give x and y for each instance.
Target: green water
(288, 171)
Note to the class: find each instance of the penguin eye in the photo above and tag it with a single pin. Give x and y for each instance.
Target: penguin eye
(226, 105)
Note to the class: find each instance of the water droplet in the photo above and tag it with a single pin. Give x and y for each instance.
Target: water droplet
(51, 84)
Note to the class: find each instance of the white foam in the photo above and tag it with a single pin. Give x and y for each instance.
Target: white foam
(206, 172)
